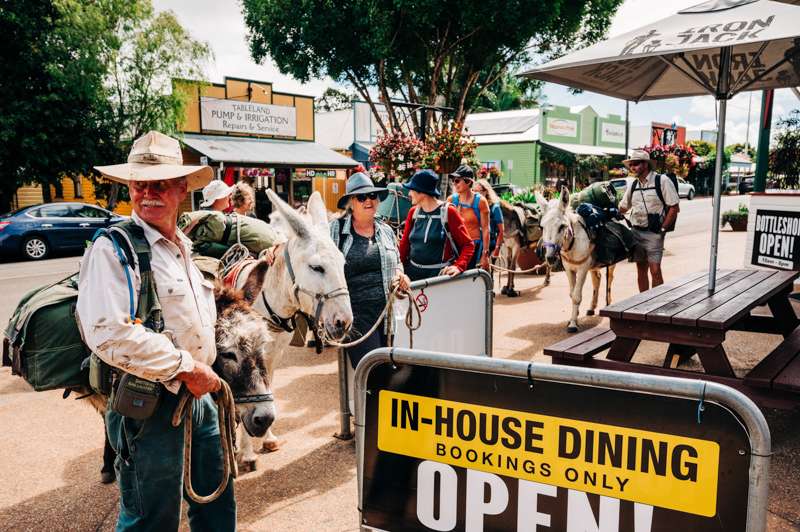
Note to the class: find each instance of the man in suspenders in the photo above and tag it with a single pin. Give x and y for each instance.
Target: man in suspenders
(474, 209)
(652, 202)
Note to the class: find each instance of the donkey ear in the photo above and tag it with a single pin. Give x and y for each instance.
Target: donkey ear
(252, 286)
(294, 221)
(564, 197)
(317, 211)
(540, 200)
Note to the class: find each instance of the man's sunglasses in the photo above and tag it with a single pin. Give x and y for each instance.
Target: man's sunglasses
(363, 197)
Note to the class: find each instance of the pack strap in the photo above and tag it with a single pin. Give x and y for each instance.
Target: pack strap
(228, 228)
(125, 262)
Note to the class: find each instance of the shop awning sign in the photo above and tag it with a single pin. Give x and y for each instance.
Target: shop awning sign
(463, 450)
(776, 239)
(247, 117)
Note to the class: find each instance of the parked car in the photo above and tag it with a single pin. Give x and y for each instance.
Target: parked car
(685, 189)
(36, 231)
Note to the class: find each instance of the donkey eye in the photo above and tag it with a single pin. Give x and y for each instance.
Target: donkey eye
(227, 355)
(318, 269)
(562, 227)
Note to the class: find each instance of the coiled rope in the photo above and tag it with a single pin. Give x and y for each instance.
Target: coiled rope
(412, 313)
(226, 414)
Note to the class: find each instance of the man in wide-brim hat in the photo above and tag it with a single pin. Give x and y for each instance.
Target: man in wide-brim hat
(652, 204)
(149, 463)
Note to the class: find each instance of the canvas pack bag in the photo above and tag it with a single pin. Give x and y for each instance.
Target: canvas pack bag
(43, 342)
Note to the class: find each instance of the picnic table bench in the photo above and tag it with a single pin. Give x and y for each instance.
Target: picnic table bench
(692, 321)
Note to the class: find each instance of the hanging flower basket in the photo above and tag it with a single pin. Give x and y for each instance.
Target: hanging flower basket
(447, 147)
(398, 155)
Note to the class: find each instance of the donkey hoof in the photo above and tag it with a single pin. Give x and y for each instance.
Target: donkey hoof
(572, 329)
(504, 291)
(247, 466)
(107, 477)
(590, 312)
(270, 446)
(513, 293)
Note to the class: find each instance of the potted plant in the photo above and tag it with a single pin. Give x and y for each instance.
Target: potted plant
(736, 218)
(397, 155)
(447, 147)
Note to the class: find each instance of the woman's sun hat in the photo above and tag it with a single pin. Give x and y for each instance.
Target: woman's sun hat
(425, 181)
(360, 183)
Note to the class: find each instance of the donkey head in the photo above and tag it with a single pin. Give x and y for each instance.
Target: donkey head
(555, 222)
(318, 266)
(243, 350)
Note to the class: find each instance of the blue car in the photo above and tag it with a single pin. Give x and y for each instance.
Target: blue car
(36, 231)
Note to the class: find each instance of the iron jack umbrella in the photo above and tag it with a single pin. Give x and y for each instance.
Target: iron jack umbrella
(719, 47)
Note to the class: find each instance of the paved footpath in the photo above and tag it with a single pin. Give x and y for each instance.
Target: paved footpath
(51, 449)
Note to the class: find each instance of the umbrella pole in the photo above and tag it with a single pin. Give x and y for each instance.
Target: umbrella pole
(712, 267)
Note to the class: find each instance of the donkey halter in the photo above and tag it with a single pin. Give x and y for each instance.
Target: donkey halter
(569, 234)
(320, 298)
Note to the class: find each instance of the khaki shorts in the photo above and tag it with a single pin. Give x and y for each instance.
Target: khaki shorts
(649, 246)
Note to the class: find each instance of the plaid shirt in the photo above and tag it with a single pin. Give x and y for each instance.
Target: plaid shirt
(387, 247)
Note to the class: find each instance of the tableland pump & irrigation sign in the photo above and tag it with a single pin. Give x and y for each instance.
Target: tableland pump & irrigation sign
(248, 117)
(455, 450)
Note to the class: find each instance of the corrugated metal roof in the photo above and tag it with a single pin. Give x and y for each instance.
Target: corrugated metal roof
(266, 151)
(500, 126)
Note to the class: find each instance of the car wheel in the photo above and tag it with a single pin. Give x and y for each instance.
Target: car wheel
(690, 195)
(35, 248)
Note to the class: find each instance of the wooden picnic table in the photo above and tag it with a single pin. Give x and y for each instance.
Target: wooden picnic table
(690, 320)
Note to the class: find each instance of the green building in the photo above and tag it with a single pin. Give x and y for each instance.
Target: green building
(541, 146)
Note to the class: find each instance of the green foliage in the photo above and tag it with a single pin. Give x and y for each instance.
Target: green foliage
(735, 216)
(784, 159)
(334, 99)
(442, 52)
(510, 92)
(80, 79)
(740, 147)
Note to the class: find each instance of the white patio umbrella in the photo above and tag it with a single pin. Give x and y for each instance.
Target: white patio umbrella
(719, 47)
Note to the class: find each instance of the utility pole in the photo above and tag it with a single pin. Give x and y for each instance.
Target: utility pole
(747, 137)
(627, 126)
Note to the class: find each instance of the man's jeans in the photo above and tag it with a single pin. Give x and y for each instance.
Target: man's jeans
(149, 468)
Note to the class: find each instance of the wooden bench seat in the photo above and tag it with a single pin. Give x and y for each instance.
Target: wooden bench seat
(582, 346)
(781, 368)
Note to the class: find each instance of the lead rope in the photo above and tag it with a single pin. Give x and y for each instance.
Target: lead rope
(413, 309)
(227, 415)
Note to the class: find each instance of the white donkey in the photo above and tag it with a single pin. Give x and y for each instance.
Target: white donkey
(564, 233)
(307, 276)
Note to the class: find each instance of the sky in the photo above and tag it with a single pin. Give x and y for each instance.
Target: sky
(221, 25)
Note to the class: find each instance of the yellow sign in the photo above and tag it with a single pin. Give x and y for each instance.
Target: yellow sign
(652, 468)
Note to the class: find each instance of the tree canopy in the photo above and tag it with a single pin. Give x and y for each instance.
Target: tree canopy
(433, 52)
(784, 159)
(80, 78)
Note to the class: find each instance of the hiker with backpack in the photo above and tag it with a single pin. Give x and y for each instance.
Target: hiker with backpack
(372, 265)
(653, 205)
(435, 240)
(157, 347)
(496, 227)
(474, 209)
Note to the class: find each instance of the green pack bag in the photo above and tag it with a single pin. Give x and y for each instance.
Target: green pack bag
(43, 342)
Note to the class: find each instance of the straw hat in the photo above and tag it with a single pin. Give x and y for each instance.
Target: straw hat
(155, 157)
(639, 155)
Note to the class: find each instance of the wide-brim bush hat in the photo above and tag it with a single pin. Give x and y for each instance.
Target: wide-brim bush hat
(464, 172)
(155, 157)
(425, 181)
(215, 190)
(639, 155)
(360, 183)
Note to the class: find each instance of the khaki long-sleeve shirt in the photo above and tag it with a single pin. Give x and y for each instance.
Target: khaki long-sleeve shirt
(186, 299)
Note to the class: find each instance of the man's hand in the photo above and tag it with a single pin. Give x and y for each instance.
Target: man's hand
(201, 380)
(451, 270)
(485, 262)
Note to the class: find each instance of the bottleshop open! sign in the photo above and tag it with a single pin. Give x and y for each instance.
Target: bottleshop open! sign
(455, 450)
(775, 239)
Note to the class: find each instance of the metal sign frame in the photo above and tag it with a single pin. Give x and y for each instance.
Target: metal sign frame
(344, 365)
(749, 414)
